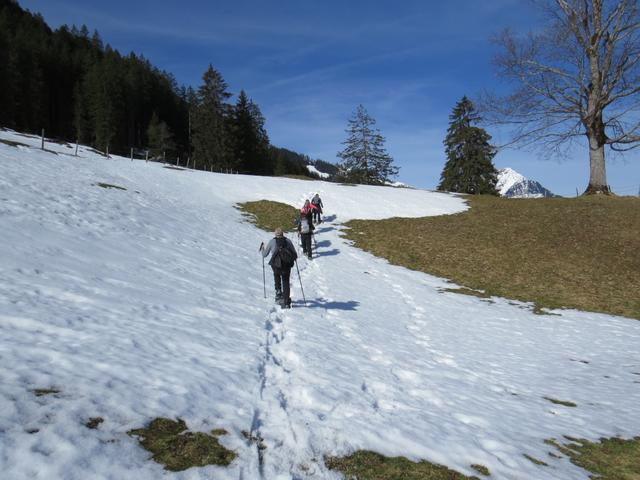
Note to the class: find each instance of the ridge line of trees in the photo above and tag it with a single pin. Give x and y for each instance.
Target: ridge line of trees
(70, 83)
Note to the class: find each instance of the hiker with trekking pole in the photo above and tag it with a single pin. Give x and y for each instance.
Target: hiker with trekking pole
(283, 258)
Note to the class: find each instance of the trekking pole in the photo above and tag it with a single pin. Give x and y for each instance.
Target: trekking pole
(264, 281)
(300, 280)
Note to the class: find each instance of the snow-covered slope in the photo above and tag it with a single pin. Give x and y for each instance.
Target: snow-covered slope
(514, 185)
(148, 302)
(312, 169)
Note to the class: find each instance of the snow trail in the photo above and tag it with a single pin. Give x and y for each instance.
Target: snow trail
(148, 302)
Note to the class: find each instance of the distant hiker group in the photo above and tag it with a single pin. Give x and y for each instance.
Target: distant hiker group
(283, 253)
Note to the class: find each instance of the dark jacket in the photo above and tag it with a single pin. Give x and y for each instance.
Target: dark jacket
(272, 248)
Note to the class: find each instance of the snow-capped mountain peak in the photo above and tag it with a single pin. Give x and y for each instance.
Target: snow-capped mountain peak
(515, 185)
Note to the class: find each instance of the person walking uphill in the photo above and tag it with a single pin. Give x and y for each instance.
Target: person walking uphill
(305, 230)
(283, 257)
(316, 201)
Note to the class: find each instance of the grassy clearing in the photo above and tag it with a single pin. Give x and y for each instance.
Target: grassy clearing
(366, 465)
(608, 459)
(178, 449)
(269, 215)
(579, 253)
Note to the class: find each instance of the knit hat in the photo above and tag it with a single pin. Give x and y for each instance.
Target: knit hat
(278, 232)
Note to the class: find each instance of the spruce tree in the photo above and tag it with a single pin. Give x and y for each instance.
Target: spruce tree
(364, 158)
(250, 140)
(469, 167)
(210, 125)
(160, 138)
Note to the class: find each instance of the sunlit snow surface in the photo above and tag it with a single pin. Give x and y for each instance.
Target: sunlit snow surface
(148, 302)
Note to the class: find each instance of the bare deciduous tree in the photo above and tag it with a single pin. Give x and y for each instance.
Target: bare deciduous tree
(580, 76)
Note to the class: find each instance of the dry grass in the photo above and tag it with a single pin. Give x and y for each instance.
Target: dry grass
(178, 449)
(109, 185)
(269, 215)
(579, 253)
(608, 459)
(41, 392)
(11, 143)
(94, 422)
(366, 465)
(298, 177)
(564, 403)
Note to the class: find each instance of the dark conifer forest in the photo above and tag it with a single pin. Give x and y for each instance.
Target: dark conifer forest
(75, 86)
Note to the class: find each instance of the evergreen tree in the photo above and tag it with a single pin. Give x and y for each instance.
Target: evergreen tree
(210, 134)
(469, 167)
(250, 140)
(365, 159)
(191, 102)
(160, 138)
(67, 82)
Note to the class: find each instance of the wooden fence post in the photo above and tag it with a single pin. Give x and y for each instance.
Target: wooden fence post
(146, 156)
(132, 154)
(77, 141)
(42, 145)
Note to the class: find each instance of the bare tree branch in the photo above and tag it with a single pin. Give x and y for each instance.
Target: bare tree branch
(580, 76)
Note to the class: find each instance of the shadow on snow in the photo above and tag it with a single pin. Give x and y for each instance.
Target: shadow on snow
(322, 303)
(328, 253)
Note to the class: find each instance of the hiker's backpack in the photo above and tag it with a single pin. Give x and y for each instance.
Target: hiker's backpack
(304, 225)
(283, 258)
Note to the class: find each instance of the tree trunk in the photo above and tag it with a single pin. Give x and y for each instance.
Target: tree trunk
(598, 173)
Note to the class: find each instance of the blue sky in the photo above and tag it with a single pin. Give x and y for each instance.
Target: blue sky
(308, 64)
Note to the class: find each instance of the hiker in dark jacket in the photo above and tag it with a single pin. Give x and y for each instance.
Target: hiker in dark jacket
(283, 257)
(305, 230)
(316, 201)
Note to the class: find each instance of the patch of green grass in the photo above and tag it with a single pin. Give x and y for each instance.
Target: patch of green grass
(11, 143)
(535, 460)
(481, 469)
(608, 459)
(564, 403)
(41, 392)
(94, 422)
(555, 252)
(269, 215)
(367, 465)
(178, 449)
(109, 185)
